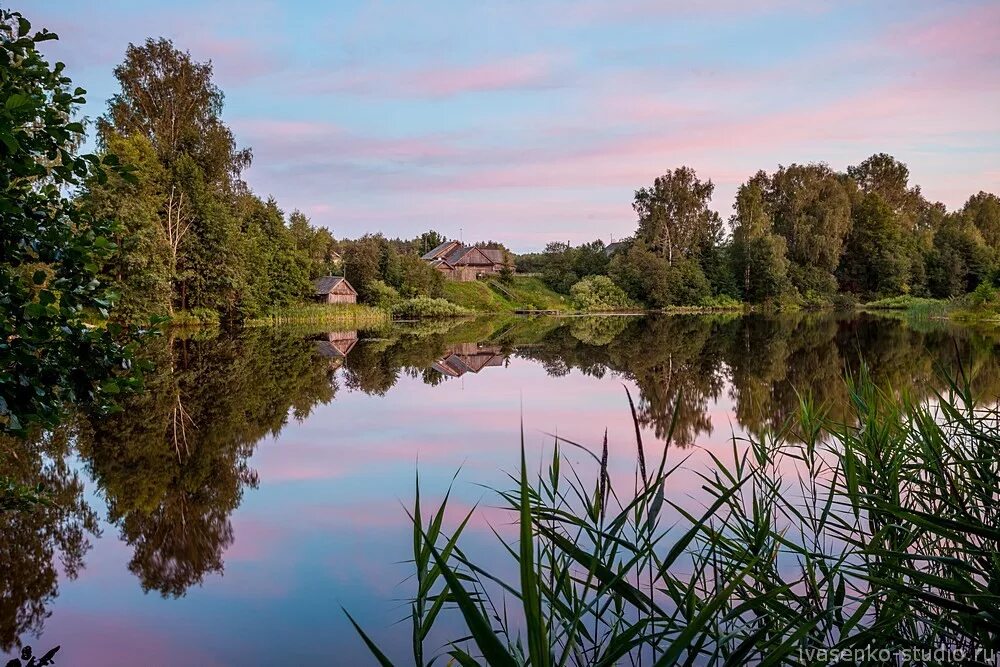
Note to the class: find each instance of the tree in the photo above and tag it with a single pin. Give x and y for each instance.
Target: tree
(884, 175)
(758, 254)
(317, 243)
(876, 259)
(363, 263)
(430, 240)
(50, 248)
(674, 218)
(591, 259)
(810, 208)
(960, 259)
(139, 269)
(649, 278)
(983, 211)
(170, 100)
(558, 270)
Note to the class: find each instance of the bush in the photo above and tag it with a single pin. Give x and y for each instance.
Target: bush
(721, 302)
(423, 306)
(984, 296)
(647, 277)
(599, 293)
(845, 302)
(381, 295)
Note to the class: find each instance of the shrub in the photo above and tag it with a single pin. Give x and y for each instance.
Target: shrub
(599, 293)
(984, 296)
(845, 302)
(381, 295)
(721, 302)
(423, 306)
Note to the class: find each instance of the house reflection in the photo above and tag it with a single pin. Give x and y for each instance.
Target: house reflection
(336, 345)
(468, 358)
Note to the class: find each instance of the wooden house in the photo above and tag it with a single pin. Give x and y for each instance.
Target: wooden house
(334, 289)
(458, 261)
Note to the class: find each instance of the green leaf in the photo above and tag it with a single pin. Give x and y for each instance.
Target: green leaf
(376, 651)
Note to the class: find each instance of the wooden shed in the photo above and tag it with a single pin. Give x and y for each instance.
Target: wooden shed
(334, 289)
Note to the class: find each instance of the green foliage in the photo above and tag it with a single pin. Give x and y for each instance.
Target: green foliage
(810, 207)
(960, 259)
(646, 276)
(50, 249)
(721, 302)
(599, 293)
(381, 295)
(423, 306)
(674, 219)
(415, 277)
(876, 260)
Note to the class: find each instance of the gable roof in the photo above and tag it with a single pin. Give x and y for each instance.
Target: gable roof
(327, 284)
(468, 255)
(495, 255)
(441, 250)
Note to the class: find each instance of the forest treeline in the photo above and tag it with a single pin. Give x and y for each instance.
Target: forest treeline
(804, 234)
(191, 239)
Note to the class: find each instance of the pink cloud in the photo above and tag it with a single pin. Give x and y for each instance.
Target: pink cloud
(533, 71)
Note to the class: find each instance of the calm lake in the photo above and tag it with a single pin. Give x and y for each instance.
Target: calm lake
(259, 485)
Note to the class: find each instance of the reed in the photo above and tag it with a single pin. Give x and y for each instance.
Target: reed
(348, 316)
(883, 538)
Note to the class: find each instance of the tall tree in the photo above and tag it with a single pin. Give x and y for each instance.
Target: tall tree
(887, 177)
(168, 98)
(983, 211)
(674, 218)
(758, 254)
(811, 209)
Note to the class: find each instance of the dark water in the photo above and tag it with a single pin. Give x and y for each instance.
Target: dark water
(225, 515)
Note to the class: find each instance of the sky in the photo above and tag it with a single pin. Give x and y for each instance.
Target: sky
(527, 122)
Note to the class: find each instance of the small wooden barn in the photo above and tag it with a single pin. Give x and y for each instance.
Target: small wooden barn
(334, 289)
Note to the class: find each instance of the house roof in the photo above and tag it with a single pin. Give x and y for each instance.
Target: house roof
(455, 252)
(441, 250)
(468, 255)
(441, 262)
(612, 248)
(494, 254)
(327, 284)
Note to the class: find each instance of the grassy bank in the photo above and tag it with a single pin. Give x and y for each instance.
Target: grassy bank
(347, 316)
(816, 542)
(491, 296)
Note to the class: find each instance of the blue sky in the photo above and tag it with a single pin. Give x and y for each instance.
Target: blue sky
(529, 122)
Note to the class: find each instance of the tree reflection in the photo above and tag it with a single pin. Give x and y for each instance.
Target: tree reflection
(32, 540)
(173, 463)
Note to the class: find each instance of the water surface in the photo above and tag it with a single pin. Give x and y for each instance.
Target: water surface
(226, 515)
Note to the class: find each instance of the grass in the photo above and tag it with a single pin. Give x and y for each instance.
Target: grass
(821, 539)
(346, 315)
(491, 296)
(423, 306)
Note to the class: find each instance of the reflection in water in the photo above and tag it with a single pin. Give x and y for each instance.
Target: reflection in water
(172, 466)
(468, 358)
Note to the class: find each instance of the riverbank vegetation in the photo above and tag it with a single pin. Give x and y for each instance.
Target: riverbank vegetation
(823, 541)
(802, 236)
